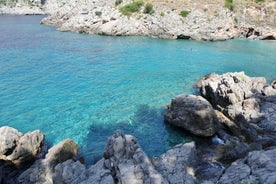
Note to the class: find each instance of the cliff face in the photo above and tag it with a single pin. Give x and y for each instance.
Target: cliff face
(176, 19)
(21, 7)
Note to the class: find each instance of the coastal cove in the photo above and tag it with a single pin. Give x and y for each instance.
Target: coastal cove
(85, 87)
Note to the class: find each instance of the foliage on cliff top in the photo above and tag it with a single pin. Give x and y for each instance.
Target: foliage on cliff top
(149, 8)
(229, 4)
(134, 6)
(184, 13)
(117, 2)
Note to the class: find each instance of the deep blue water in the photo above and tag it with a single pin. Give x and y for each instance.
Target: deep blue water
(86, 86)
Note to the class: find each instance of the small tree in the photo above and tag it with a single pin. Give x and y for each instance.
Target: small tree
(117, 2)
(184, 13)
(149, 8)
(132, 7)
(229, 4)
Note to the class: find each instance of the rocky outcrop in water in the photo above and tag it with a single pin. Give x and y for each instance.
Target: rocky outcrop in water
(124, 161)
(127, 161)
(17, 151)
(42, 170)
(249, 103)
(8, 140)
(18, 148)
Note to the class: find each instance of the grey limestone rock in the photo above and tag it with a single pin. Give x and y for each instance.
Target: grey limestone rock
(69, 172)
(9, 138)
(72, 172)
(257, 167)
(249, 103)
(28, 147)
(229, 88)
(194, 114)
(176, 165)
(98, 173)
(270, 90)
(127, 161)
(43, 169)
(39, 172)
(61, 152)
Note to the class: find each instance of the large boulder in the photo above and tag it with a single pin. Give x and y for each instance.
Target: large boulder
(249, 103)
(42, 170)
(28, 147)
(193, 113)
(269, 90)
(99, 173)
(9, 138)
(61, 152)
(72, 172)
(229, 88)
(39, 172)
(69, 172)
(127, 161)
(17, 152)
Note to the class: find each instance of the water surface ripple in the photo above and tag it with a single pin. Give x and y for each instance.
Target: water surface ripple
(86, 86)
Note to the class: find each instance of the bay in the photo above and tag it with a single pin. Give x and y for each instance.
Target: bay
(85, 87)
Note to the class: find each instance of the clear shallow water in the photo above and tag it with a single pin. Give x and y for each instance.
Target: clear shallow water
(85, 86)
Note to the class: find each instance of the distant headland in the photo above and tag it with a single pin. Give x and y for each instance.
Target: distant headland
(196, 20)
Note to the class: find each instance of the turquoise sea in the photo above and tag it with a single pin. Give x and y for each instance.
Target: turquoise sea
(86, 86)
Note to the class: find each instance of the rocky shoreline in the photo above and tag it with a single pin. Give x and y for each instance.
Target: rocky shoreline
(200, 21)
(234, 119)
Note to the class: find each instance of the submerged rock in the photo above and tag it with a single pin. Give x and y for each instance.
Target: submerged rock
(193, 113)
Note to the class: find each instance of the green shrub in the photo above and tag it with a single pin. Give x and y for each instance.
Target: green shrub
(162, 14)
(229, 4)
(149, 8)
(6, 2)
(2, 2)
(259, 1)
(98, 13)
(184, 13)
(132, 7)
(236, 20)
(117, 2)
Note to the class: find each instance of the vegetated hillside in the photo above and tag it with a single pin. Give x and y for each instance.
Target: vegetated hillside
(258, 12)
(185, 19)
(12, 3)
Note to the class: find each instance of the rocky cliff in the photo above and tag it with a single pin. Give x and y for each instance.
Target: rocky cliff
(199, 20)
(21, 7)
